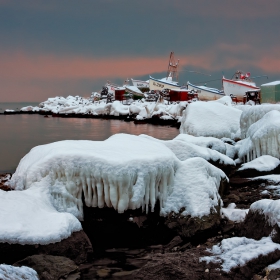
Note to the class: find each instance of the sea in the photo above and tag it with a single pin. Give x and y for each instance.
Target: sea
(20, 133)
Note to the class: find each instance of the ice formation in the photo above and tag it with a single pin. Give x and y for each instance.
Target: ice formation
(185, 150)
(9, 272)
(262, 163)
(29, 217)
(263, 138)
(196, 189)
(237, 251)
(211, 119)
(233, 214)
(124, 172)
(269, 208)
(252, 114)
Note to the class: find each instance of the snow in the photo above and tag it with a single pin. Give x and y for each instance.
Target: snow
(225, 100)
(252, 114)
(211, 119)
(237, 251)
(235, 215)
(9, 272)
(275, 265)
(273, 178)
(263, 138)
(196, 187)
(185, 150)
(271, 84)
(269, 208)
(262, 163)
(207, 142)
(29, 217)
(124, 172)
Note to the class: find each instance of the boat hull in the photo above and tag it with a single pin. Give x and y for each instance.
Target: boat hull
(206, 94)
(140, 84)
(156, 84)
(238, 88)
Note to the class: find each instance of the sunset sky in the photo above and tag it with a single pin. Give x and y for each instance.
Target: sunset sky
(60, 48)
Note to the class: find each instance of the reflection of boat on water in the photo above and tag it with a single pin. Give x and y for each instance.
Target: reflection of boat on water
(206, 93)
(239, 85)
(171, 80)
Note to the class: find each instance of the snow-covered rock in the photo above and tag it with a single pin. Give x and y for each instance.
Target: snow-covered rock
(211, 119)
(124, 172)
(196, 189)
(252, 114)
(9, 272)
(238, 251)
(262, 138)
(29, 217)
(233, 214)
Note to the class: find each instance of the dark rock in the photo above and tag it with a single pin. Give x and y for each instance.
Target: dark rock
(247, 173)
(50, 267)
(187, 226)
(175, 242)
(77, 248)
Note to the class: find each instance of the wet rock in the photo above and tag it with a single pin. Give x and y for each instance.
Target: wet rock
(51, 267)
(187, 226)
(77, 248)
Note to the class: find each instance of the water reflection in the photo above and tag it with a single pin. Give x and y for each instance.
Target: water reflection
(20, 133)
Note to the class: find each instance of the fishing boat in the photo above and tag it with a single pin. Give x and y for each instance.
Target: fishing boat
(206, 93)
(171, 80)
(239, 85)
(140, 84)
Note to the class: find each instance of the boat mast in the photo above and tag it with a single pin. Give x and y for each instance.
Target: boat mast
(172, 69)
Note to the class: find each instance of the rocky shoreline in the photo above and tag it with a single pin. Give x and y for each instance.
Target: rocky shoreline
(135, 245)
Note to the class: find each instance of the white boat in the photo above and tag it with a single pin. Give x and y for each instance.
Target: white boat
(206, 93)
(165, 83)
(171, 80)
(140, 84)
(239, 85)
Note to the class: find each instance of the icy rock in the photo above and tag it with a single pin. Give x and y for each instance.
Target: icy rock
(262, 165)
(263, 138)
(194, 204)
(252, 114)
(124, 172)
(8, 272)
(211, 119)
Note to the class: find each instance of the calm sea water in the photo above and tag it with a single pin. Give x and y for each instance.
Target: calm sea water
(20, 133)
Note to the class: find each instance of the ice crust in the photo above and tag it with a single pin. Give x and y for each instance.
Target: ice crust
(9, 272)
(263, 138)
(124, 172)
(196, 189)
(237, 251)
(29, 217)
(211, 119)
(252, 114)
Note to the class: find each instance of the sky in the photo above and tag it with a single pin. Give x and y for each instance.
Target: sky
(66, 47)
